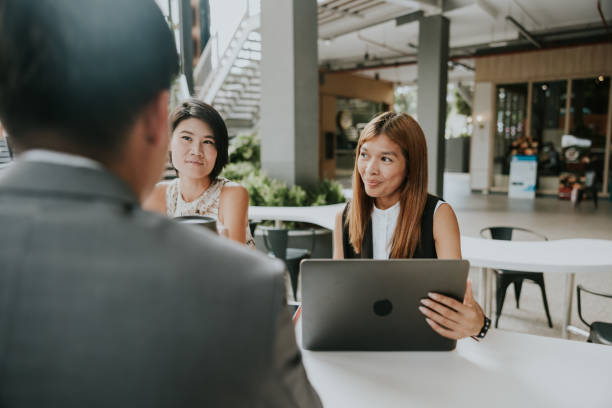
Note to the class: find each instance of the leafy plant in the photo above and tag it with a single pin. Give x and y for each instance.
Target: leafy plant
(245, 148)
(325, 192)
(463, 108)
(237, 171)
(245, 168)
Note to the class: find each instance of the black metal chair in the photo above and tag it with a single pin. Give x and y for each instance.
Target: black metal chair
(276, 241)
(253, 226)
(504, 278)
(601, 332)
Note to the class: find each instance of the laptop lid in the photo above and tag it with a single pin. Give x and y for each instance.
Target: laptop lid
(363, 304)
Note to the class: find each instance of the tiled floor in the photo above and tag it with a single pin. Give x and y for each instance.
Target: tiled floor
(552, 217)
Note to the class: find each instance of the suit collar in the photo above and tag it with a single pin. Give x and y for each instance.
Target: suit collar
(57, 179)
(57, 157)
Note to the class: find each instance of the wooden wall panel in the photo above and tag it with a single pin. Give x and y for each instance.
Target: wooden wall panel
(355, 86)
(334, 85)
(558, 63)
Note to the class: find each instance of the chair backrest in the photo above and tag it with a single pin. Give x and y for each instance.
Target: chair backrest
(505, 233)
(276, 240)
(579, 289)
(252, 227)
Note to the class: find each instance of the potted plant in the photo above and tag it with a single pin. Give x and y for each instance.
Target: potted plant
(244, 167)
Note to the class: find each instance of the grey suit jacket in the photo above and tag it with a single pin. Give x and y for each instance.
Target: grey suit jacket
(105, 305)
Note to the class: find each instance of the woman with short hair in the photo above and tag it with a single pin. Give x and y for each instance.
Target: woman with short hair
(199, 151)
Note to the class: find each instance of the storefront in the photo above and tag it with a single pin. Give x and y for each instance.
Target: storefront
(346, 103)
(526, 102)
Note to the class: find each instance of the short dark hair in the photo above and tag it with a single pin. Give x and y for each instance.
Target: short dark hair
(81, 70)
(194, 108)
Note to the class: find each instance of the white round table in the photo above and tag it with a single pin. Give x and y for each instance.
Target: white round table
(504, 370)
(566, 256)
(323, 215)
(559, 256)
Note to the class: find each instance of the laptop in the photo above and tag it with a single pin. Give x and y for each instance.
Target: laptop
(372, 305)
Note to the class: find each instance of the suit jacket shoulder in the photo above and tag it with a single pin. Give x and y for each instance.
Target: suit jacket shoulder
(102, 303)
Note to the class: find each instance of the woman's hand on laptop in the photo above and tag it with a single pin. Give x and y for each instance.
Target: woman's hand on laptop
(451, 318)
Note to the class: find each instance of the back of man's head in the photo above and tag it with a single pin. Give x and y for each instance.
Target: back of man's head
(74, 75)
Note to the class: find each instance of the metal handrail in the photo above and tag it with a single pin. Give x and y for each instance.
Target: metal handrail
(225, 60)
(205, 78)
(206, 64)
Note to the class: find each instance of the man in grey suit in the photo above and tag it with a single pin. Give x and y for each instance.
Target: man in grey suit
(101, 303)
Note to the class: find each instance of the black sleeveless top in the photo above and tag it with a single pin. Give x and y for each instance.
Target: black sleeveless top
(425, 249)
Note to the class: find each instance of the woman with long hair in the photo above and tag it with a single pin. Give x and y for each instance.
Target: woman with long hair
(391, 215)
(199, 151)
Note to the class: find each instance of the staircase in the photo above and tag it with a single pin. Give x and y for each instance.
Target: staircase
(231, 82)
(6, 157)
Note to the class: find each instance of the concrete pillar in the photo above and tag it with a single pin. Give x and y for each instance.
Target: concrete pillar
(289, 101)
(431, 99)
(187, 42)
(204, 23)
(483, 120)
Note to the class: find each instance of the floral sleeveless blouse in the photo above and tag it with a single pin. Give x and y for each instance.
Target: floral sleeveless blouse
(207, 204)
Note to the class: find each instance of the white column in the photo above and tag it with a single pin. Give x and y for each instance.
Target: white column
(481, 151)
(290, 90)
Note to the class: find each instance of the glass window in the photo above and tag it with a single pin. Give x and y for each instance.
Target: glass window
(588, 120)
(510, 127)
(548, 126)
(351, 117)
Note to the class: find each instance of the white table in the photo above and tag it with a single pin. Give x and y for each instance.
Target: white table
(560, 256)
(323, 215)
(504, 370)
(566, 256)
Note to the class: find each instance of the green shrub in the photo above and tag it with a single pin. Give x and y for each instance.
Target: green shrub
(265, 191)
(239, 170)
(245, 148)
(245, 168)
(325, 192)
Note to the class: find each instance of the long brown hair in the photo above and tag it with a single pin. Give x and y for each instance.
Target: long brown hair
(406, 132)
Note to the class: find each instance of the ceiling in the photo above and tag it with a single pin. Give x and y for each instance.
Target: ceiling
(363, 36)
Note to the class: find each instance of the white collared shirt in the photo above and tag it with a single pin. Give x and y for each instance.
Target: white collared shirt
(54, 157)
(383, 227)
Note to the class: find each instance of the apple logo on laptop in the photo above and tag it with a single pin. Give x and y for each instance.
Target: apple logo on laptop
(383, 307)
